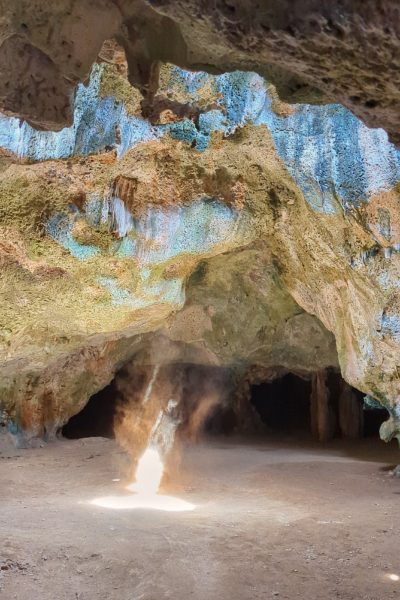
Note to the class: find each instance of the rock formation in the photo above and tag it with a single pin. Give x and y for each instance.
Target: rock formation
(343, 51)
(226, 228)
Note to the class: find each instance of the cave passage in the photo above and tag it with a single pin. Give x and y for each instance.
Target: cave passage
(96, 419)
(285, 406)
(373, 419)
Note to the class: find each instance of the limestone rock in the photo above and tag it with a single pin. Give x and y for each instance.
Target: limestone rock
(344, 52)
(241, 234)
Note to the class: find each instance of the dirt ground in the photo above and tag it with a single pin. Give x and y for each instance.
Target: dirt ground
(273, 519)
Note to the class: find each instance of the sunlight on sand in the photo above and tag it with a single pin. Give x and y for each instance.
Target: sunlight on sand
(150, 501)
(148, 477)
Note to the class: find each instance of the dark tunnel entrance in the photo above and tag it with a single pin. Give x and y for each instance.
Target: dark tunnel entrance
(373, 419)
(286, 406)
(96, 419)
(283, 404)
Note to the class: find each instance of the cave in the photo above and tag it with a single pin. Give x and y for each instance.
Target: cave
(199, 299)
(373, 419)
(283, 405)
(280, 407)
(96, 419)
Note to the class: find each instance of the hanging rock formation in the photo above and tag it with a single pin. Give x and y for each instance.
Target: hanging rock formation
(228, 228)
(342, 51)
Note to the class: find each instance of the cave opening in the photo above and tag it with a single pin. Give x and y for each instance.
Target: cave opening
(283, 404)
(96, 419)
(288, 405)
(373, 419)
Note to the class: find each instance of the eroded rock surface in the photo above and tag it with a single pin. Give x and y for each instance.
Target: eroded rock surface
(243, 232)
(344, 51)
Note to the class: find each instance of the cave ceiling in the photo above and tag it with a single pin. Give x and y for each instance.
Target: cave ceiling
(206, 182)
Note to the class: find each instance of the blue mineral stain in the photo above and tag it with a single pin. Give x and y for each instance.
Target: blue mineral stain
(213, 120)
(59, 227)
(199, 136)
(145, 273)
(125, 248)
(159, 234)
(96, 211)
(94, 128)
(133, 131)
(119, 296)
(169, 291)
(243, 98)
(384, 223)
(186, 131)
(370, 403)
(347, 161)
(194, 229)
(391, 326)
(190, 81)
(336, 161)
(122, 220)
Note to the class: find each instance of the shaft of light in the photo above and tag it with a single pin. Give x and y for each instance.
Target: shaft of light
(149, 473)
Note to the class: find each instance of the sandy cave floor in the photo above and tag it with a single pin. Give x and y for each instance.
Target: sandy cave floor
(274, 519)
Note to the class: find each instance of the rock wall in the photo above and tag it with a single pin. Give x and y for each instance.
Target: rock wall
(241, 230)
(333, 51)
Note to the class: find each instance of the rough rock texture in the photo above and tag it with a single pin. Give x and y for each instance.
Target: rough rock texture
(344, 51)
(219, 231)
(238, 312)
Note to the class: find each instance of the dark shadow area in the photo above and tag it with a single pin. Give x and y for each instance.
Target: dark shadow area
(222, 420)
(96, 419)
(284, 404)
(373, 419)
(278, 409)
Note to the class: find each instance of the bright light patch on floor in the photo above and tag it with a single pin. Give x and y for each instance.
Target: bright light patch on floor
(154, 502)
(148, 478)
(393, 577)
